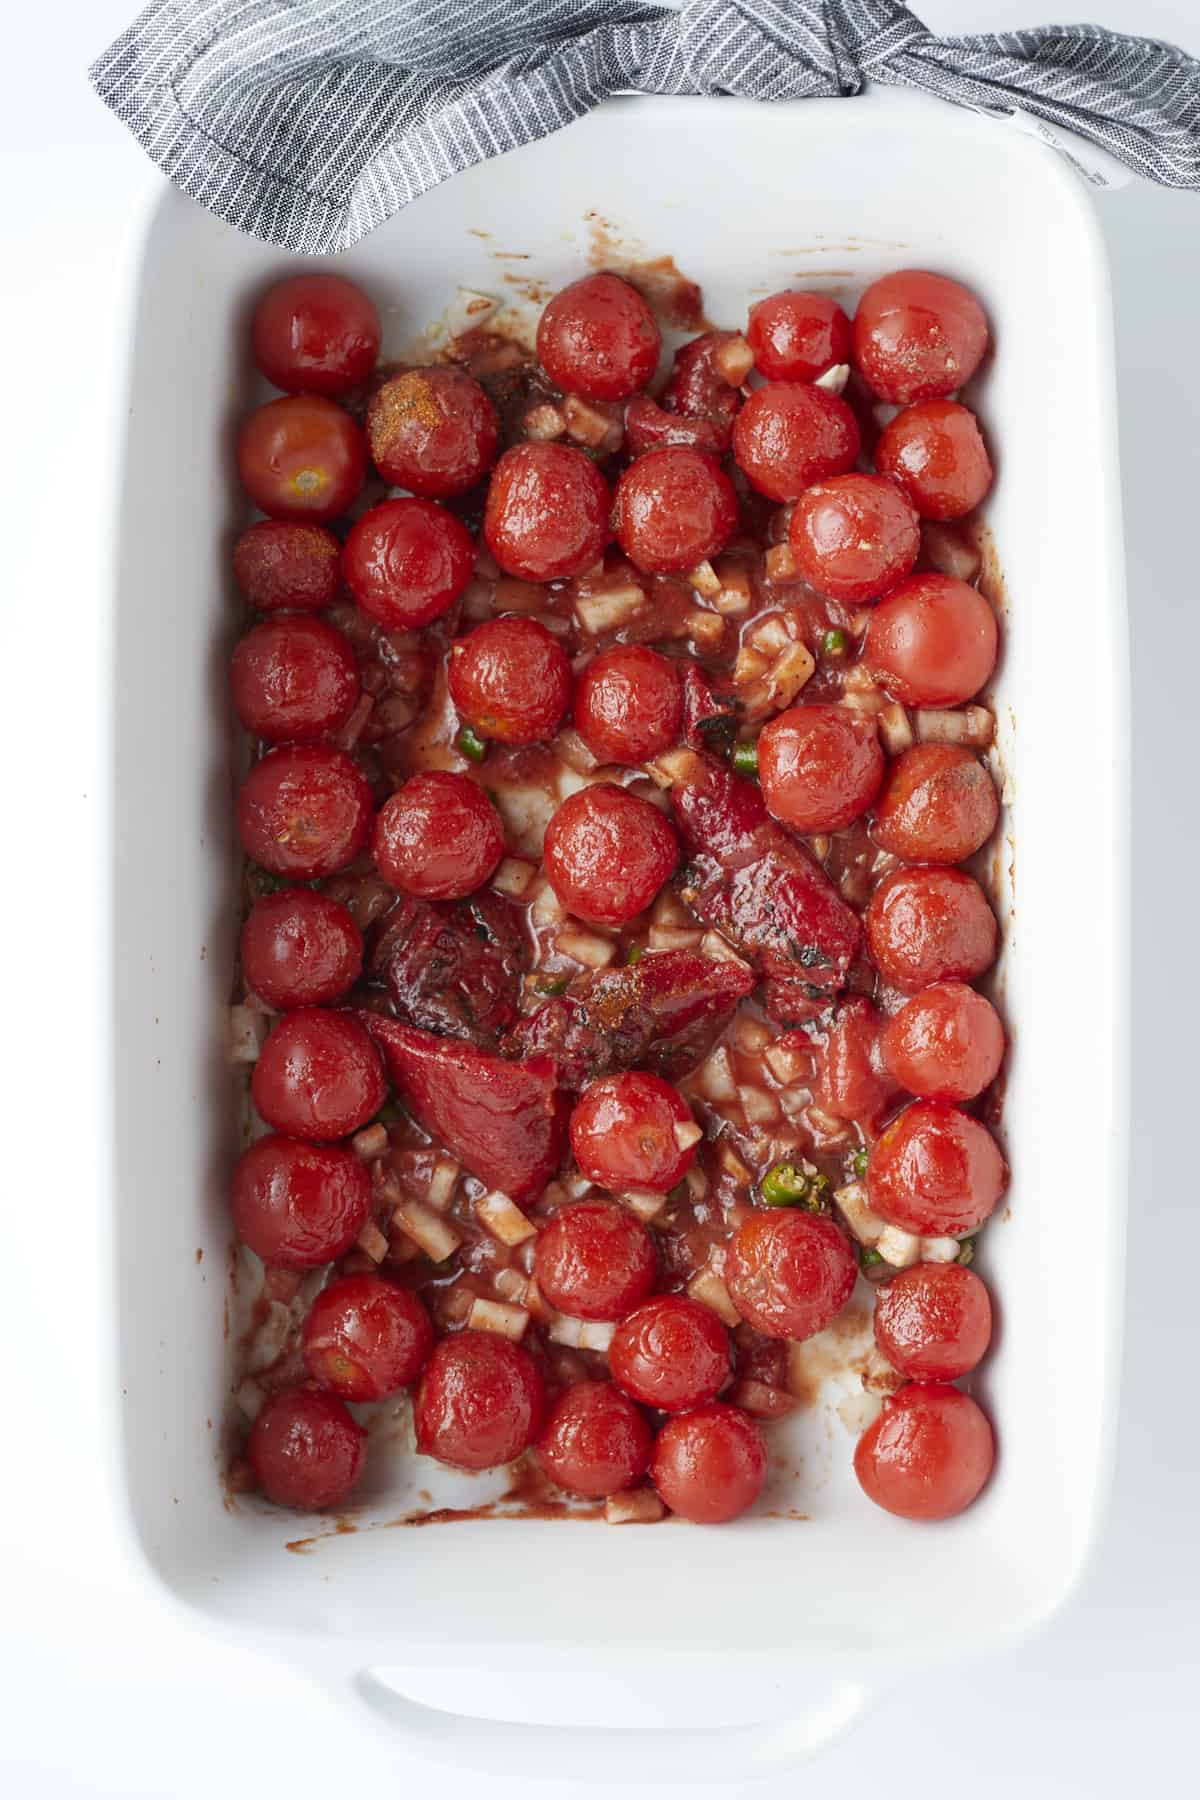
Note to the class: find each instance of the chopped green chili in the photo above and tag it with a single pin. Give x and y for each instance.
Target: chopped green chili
(633, 954)
(745, 758)
(789, 1185)
(868, 1258)
(966, 1252)
(471, 745)
(859, 1161)
(834, 643)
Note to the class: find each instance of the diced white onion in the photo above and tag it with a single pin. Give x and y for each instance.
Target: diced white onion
(786, 1065)
(249, 1397)
(543, 423)
(704, 579)
(513, 877)
(637, 1506)
(495, 1315)
(588, 425)
(939, 1249)
(697, 1182)
(511, 1285)
(442, 1183)
(759, 1107)
(370, 1142)
(970, 725)
(734, 360)
(864, 1224)
(610, 609)
(720, 949)
(585, 947)
(581, 1334)
(687, 1134)
(674, 937)
(895, 729)
(779, 564)
(427, 1229)
(248, 1028)
(641, 1201)
(547, 907)
(715, 1076)
(834, 379)
(705, 629)
(899, 1248)
(769, 636)
(708, 1288)
(372, 1242)
(733, 1165)
(572, 750)
(504, 1219)
(469, 310)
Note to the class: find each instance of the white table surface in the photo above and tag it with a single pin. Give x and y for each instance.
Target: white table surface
(101, 1693)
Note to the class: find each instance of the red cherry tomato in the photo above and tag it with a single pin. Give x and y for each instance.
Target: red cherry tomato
(365, 1337)
(709, 1465)
(928, 925)
(480, 1401)
(302, 458)
(946, 1044)
(438, 837)
(851, 1084)
(306, 1450)
(511, 680)
(546, 517)
(594, 1260)
(854, 537)
(300, 948)
(670, 1353)
(407, 561)
(933, 1322)
(938, 805)
(674, 508)
(935, 452)
(280, 565)
(633, 1131)
(697, 389)
(928, 1454)
(917, 336)
(797, 337)
(318, 1076)
(607, 853)
(293, 679)
(315, 334)
(595, 1441)
(304, 811)
(932, 641)
(432, 431)
(936, 1171)
(820, 766)
(788, 435)
(628, 704)
(299, 1205)
(789, 1273)
(598, 338)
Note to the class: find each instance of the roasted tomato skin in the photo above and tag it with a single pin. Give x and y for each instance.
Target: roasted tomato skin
(318, 1076)
(789, 1273)
(281, 565)
(293, 678)
(301, 458)
(674, 508)
(546, 517)
(670, 1353)
(480, 1401)
(933, 1322)
(820, 766)
(607, 853)
(947, 1043)
(936, 1171)
(930, 924)
(928, 1455)
(407, 561)
(789, 435)
(433, 431)
(304, 810)
(797, 336)
(510, 679)
(299, 1205)
(709, 1465)
(438, 837)
(598, 338)
(936, 453)
(938, 805)
(634, 1131)
(854, 537)
(300, 948)
(595, 1440)
(366, 1337)
(315, 334)
(594, 1260)
(932, 641)
(628, 705)
(917, 336)
(306, 1450)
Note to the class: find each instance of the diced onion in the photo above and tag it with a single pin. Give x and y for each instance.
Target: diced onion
(585, 947)
(895, 729)
(370, 1142)
(708, 1288)
(610, 609)
(715, 1076)
(442, 1183)
(504, 1219)
(511, 1285)
(249, 1397)
(864, 1224)
(899, 1248)
(542, 423)
(779, 564)
(734, 360)
(687, 1134)
(834, 379)
(513, 877)
(720, 949)
(673, 937)
(705, 628)
(939, 1249)
(572, 750)
(580, 1334)
(763, 1400)
(427, 1229)
(588, 425)
(733, 1165)
(787, 1065)
(970, 725)
(248, 1028)
(759, 1106)
(495, 1315)
(372, 1242)
(641, 1201)
(637, 1506)
(705, 580)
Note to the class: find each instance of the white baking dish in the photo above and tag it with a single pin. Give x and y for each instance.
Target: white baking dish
(550, 1623)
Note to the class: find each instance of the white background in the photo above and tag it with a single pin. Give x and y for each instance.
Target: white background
(103, 1693)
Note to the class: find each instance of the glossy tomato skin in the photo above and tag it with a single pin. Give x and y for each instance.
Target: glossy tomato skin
(819, 766)
(936, 1171)
(598, 338)
(797, 336)
(315, 334)
(930, 924)
(932, 641)
(301, 457)
(433, 431)
(852, 1083)
(299, 1205)
(623, 1133)
(917, 336)
(674, 508)
(293, 679)
(928, 1455)
(698, 391)
(939, 804)
(407, 561)
(595, 1440)
(854, 537)
(790, 1272)
(594, 1260)
(319, 1076)
(546, 517)
(304, 811)
(936, 453)
(306, 1450)
(628, 704)
(933, 1322)
(946, 1044)
(480, 1401)
(511, 680)
(365, 1338)
(670, 1353)
(709, 1465)
(438, 837)
(281, 565)
(607, 853)
(789, 435)
(300, 948)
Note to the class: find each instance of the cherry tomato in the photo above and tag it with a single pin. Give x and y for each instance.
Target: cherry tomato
(928, 1454)
(300, 948)
(670, 1353)
(293, 679)
(365, 1337)
(928, 925)
(938, 805)
(697, 389)
(789, 1272)
(594, 1260)
(598, 338)
(788, 435)
(932, 641)
(933, 1322)
(946, 1044)
(511, 680)
(304, 811)
(407, 561)
(546, 517)
(306, 1450)
(299, 1205)
(674, 508)
(854, 537)
(936, 1171)
(917, 336)
(797, 337)
(633, 1131)
(315, 334)
(480, 1401)
(820, 766)
(709, 1465)
(935, 451)
(607, 853)
(318, 1075)
(432, 431)
(280, 565)
(851, 1084)
(438, 837)
(302, 458)
(595, 1440)
(628, 704)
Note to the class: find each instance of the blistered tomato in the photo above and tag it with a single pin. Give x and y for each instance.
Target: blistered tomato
(851, 1084)
(438, 836)
(302, 458)
(318, 1075)
(315, 334)
(283, 566)
(797, 336)
(607, 853)
(946, 1044)
(932, 641)
(936, 1171)
(935, 452)
(300, 948)
(634, 1131)
(407, 561)
(670, 1353)
(480, 1401)
(674, 508)
(854, 537)
(628, 704)
(933, 1322)
(299, 1205)
(928, 1454)
(546, 517)
(928, 925)
(510, 679)
(433, 431)
(594, 1260)
(293, 679)
(595, 1441)
(938, 804)
(820, 766)
(709, 1465)
(789, 435)
(598, 338)
(306, 1450)
(917, 336)
(304, 811)
(789, 1273)
(365, 1337)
